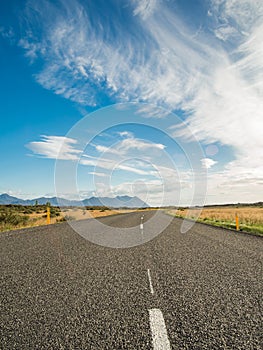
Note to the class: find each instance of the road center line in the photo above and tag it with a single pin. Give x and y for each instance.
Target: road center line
(150, 281)
(159, 334)
(141, 224)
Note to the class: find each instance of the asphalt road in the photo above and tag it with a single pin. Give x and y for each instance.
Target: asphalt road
(196, 290)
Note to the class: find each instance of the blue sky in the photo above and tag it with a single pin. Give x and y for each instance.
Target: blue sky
(178, 76)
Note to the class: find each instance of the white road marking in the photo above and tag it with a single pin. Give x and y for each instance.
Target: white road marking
(159, 333)
(150, 281)
(141, 225)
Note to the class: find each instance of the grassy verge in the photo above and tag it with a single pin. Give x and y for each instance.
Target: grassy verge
(17, 216)
(249, 221)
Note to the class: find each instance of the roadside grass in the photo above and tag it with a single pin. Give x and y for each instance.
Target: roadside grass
(18, 216)
(250, 218)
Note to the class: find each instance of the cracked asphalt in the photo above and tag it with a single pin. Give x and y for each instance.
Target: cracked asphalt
(60, 291)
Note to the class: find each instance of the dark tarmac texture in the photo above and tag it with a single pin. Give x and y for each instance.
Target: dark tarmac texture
(60, 291)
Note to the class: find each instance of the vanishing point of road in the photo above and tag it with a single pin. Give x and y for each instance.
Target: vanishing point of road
(196, 290)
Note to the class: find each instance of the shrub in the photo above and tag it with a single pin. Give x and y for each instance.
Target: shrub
(9, 218)
(66, 218)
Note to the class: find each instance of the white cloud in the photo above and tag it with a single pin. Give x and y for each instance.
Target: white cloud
(125, 134)
(129, 144)
(144, 8)
(102, 149)
(243, 14)
(79, 63)
(250, 64)
(31, 48)
(207, 163)
(119, 162)
(141, 145)
(97, 173)
(152, 111)
(18, 193)
(7, 33)
(225, 32)
(228, 106)
(132, 169)
(216, 80)
(55, 147)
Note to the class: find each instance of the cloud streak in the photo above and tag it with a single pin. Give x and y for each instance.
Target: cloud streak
(212, 73)
(55, 147)
(81, 64)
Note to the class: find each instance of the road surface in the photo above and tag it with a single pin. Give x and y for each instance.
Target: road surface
(197, 290)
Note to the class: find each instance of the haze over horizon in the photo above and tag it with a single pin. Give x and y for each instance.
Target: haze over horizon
(166, 79)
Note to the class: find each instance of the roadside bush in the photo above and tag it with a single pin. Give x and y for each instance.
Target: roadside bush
(66, 218)
(53, 212)
(28, 211)
(61, 219)
(9, 218)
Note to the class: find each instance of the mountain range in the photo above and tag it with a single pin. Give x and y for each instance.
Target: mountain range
(116, 202)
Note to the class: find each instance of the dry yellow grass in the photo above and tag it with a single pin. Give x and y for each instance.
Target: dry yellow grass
(246, 215)
(75, 214)
(249, 217)
(17, 216)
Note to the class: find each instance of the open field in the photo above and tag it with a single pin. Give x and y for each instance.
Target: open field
(250, 218)
(18, 216)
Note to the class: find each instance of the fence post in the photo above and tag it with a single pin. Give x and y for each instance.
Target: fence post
(48, 215)
(237, 223)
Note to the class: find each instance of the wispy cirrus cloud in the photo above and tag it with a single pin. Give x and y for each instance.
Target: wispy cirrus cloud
(81, 64)
(107, 165)
(124, 155)
(128, 145)
(97, 173)
(55, 147)
(133, 143)
(82, 61)
(236, 17)
(212, 73)
(150, 111)
(64, 148)
(144, 8)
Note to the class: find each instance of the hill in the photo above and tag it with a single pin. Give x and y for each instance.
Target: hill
(116, 202)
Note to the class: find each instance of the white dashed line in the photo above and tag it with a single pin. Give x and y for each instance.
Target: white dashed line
(141, 224)
(159, 334)
(150, 281)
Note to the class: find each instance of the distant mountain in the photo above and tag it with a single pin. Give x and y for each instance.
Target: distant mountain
(6, 199)
(116, 202)
(55, 201)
